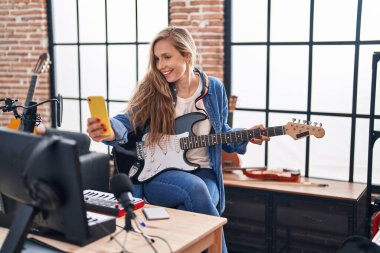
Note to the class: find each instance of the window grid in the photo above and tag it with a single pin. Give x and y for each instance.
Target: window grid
(357, 43)
(78, 44)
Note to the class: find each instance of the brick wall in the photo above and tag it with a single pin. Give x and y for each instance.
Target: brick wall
(23, 37)
(205, 21)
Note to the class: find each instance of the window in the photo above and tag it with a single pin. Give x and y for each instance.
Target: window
(100, 47)
(309, 60)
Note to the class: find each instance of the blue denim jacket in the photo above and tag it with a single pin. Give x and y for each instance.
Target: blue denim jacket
(216, 104)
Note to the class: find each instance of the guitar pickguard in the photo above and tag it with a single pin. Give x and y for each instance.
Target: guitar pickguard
(167, 155)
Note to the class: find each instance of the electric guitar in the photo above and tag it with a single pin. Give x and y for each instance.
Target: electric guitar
(143, 162)
(41, 66)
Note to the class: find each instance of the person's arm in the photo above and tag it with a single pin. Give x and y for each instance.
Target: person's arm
(121, 127)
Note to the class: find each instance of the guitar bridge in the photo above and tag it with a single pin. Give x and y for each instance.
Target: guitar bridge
(140, 150)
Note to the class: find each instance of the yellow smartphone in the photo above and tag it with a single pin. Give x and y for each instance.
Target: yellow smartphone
(98, 110)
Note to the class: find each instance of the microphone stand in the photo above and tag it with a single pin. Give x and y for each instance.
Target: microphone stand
(129, 216)
(29, 119)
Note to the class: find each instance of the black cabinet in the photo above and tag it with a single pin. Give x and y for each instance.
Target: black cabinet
(283, 218)
(247, 214)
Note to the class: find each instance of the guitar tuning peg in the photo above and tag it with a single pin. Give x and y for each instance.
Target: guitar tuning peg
(320, 124)
(315, 123)
(294, 119)
(304, 121)
(299, 121)
(309, 122)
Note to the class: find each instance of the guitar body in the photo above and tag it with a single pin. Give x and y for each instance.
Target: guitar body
(143, 163)
(230, 160)
(14, 124)
(278, 175)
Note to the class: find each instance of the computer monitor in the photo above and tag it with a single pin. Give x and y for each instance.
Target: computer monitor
(42, 174)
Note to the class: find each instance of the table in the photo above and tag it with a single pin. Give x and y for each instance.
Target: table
(186, 232)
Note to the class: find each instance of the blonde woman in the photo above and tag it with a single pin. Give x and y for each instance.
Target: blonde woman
(171, 88)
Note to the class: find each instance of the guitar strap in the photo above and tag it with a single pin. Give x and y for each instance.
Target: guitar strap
(204, 80)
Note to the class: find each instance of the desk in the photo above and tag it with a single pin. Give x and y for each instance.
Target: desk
(265, 216)
(185, 232)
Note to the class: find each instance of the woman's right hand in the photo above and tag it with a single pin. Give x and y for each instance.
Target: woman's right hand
(95, 129)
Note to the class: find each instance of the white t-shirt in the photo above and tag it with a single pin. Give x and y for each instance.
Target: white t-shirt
(199, 156)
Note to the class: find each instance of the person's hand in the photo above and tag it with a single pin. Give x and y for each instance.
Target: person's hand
(95, 129)
(262, 138)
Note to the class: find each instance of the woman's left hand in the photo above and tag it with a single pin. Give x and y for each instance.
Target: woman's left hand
(262, 138)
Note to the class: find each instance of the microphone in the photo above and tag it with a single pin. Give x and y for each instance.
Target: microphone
(121, 187)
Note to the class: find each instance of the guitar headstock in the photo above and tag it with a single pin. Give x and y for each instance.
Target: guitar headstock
(42, 64)
(232, 103)
(300, 130)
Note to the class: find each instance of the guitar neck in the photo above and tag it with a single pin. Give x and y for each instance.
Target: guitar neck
(239, 136)
(28, 99)
(32, 87)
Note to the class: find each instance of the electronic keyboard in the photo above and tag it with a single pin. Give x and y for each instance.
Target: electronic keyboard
(106, 203)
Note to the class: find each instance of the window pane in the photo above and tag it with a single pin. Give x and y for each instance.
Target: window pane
(92, 21)
(249, 20)
(376, 158)
(284, 151)
(370, 20)
(328, 26)
(93, 70)
(152, 17)
(116, 108)
(64, 21)
(361, 153)
(255, 153)
(70, 115)
(249, 75)
(330, 155)
(361, 150)
(333, 68)
(365, 79)
(377, 102)
(66, 70)
(143, 52)
(289, 78)
(290, 20)
(122, 71)
(121, 20)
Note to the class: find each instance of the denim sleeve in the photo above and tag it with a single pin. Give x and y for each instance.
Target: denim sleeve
(121, 127)
(222, 105)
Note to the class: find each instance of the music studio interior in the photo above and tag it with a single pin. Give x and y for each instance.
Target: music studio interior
(309, 66)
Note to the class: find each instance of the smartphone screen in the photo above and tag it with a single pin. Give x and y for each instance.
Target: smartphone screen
(98, 110)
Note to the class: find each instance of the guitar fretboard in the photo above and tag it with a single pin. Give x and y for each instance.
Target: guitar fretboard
(199, 141)
(32, 87)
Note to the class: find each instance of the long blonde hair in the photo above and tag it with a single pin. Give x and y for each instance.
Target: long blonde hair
(152, 101)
